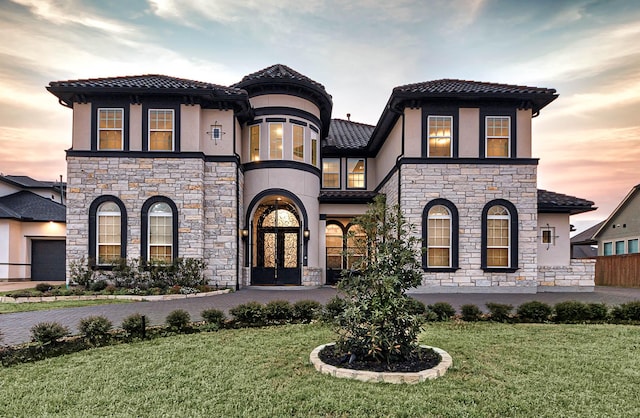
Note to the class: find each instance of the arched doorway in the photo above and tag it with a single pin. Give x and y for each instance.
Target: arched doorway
(277, 244)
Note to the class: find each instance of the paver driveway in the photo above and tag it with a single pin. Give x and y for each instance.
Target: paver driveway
(16, 326)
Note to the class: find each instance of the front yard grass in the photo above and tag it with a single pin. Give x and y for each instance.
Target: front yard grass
(526, 370)
(44, 306)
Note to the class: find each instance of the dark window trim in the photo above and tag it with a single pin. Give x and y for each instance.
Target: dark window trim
(294, 165)
(339, 173)
(344, 241)
(279, 120)
(314, 129)
(347, 170)
(144, 225)
(110, 104)
(431, 110)
(297, 122)
(513, 237)
(498, 111)
(93, 224)
(455, 241)
(288, 111)
(145, 124)
(254, 122)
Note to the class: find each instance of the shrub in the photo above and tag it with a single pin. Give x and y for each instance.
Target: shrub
(188, 272)
(134, 326)
(572, 311)
(214, 317)
(81, 272)
(43, 287)
(129, 274)
(178, 320)
(98, 286)
(598, 311)
(249, 314)
(499, 312)
(534, 311)
(95, 329)
(415, 307)
(443, 310)
(629, 311)
(333, 309)
(48, 332)
(278, 312)
(306, 311)
(470, 313)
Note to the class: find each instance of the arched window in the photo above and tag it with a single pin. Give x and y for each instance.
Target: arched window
(440, 236)
(160, 233)
(356, 246)
(159, 239)
(499, 236)
(334, 246)
(107, 230)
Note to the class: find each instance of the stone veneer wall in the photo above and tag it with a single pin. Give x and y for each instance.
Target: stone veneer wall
(221, 225)
(311, 276)
(203, 193)
(578, 276)
(470, 187)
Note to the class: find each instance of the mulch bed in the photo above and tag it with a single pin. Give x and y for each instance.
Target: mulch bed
(422, 359)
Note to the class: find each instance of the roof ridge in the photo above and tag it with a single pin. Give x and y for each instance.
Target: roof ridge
(354, 122)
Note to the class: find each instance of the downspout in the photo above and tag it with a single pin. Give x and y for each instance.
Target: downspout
(399, 158)
(235, 153)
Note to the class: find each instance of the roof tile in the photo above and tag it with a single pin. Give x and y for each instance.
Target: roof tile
(344, 134)
(445, 86)
(25, 205)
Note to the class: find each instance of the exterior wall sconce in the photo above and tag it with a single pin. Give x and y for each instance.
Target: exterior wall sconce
(306, 234)
(244, 233)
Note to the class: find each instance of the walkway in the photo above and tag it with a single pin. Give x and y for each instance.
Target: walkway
(16, 327)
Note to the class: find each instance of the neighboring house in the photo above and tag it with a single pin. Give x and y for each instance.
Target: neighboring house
(32, 229)
(583, 245)
(259, 181)
(620, 232)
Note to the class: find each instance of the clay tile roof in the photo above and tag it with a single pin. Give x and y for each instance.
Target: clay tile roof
(344, 134)
(147, 81)
(277, 72)
(28, 206)
(448, 86)
(346, 196)
(558, 202)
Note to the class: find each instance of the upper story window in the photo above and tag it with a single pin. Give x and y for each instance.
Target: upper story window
(498, 136)
(608, 248)
(632, 246)
(298, 143)
(331, 173)
(161, 129)
(619, 247)
(440, 134)
(314, 151)
(275, 141)
(254, 143)
(356, 173)
(110, 129)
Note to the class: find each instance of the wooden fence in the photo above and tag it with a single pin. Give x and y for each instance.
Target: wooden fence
(618, 270)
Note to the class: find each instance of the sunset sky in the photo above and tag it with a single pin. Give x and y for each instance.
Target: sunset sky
(588, 140)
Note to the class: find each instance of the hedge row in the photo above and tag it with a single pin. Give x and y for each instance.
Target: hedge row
(50, 339)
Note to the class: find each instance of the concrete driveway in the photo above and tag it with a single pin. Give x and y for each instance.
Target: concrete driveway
(16, 326)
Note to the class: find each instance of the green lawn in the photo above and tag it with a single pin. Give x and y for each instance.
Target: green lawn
(44, 306)
(499, 370)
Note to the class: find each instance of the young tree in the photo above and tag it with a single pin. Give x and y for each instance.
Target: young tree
(376, 324)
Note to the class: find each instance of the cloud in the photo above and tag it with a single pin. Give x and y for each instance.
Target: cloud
(36, 152)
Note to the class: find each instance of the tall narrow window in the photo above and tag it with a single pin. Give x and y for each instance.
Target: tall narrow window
(334, 246)
(314, 151)
(498, 136)
(109, 233)
(356, 173)
(331, 173)
(298, 143)
(498, 237)
(632, 246)
(161, 122)
(110, 129)
(254, 143)
(356, 246)
(619, 247)
(608, 248)
(275, 141)
(439, 237)
(160, 233)
(440, 131)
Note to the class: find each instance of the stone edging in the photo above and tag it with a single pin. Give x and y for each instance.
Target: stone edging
(386, 377)
(137, 298)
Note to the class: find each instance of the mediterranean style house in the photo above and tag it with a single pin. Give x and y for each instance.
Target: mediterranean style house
(259, 181)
